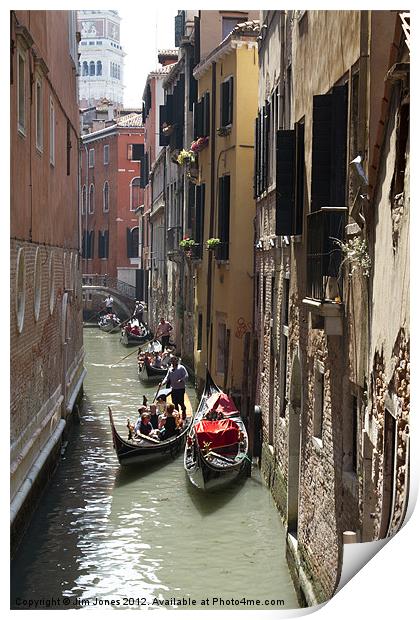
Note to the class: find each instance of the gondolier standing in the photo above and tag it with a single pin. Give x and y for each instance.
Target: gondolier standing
(109, 302)
(162, 331)
(176, 376)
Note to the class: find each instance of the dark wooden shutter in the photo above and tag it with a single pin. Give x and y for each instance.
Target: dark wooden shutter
(263, 149)
(230, 101)
(193, 86)
(100, 245)
(129, 250)
(190, 209)
(224, 104)
(299, 179)
(339, 146)
(206, 115)
(163, 140)
(143, 181)
(179, 28)
(91, 244)
(106, 244)
(256, 169)
(321, 152)
(285, 181)
(137, 152)
(169, 103)
(196, 40)
(267, 143)
(259, 150)
(224, 217)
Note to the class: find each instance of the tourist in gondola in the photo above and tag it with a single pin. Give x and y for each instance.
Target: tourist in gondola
(162, 331)
(154, 418)
(169, 427)
(176, 378)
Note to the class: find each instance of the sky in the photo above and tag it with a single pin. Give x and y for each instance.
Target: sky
(143, 32)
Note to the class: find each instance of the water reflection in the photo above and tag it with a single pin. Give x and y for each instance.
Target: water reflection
(104, 532)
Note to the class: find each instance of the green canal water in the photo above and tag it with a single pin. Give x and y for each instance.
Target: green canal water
(106, 536)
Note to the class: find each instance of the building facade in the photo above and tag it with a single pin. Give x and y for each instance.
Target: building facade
(101, 58)
(332, 372)
(111, 193)
(227, 103)
(45, 264)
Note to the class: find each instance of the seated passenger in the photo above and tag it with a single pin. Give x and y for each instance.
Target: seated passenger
(157, 361)
(169, 427)
(154, 418)
(141, 411)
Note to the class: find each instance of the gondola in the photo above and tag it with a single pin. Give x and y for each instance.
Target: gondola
(150, 373)
(129, 339)
(216, 450)
(108, 324)
(146, 450)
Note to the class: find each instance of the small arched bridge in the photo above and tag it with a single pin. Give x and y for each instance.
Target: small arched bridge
(124, 294)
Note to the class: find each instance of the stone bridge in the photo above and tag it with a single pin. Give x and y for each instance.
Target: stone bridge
(124, 294)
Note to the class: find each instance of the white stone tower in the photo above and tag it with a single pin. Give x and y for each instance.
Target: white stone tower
(101, 62)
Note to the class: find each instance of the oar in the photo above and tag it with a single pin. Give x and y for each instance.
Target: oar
(125, 357)
(120, 325)
(157, 392)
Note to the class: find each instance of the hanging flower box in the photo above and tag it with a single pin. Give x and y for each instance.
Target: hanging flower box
(213, 243)
(199, 144)
(187, 244)
(185, 157)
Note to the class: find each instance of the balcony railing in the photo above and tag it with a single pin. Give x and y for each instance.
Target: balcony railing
(324, 255)
(109, 282)
(173, 237)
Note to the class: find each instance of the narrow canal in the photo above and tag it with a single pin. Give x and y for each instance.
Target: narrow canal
(103, 533)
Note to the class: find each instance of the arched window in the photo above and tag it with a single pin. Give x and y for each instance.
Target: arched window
(85, 68)
(91, 68)
(111, 69)
(91, 198)
(106, 197)
(99, 68)
(84, 196)
(118, 71)
(135, 193)
(133, 242)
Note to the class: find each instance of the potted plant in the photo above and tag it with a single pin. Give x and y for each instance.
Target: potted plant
(185, 157)
(187, 244)
(199, 144)
(213, 243)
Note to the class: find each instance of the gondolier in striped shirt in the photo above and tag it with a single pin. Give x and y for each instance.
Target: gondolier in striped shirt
(162, 331)
(175, 378)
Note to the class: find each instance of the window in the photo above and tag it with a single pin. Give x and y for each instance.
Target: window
(88, 244)
(229, 23)
(84, 198)
(21, 92)
(200, 198)
(37, 284)
(98, 68)
(20, 289)
(91, 158)
(135, 193)
(106, 154)
(52, 133)
(133, 242)
(290, 176)
(224, 218)
(226, 102)
(85, 67)
(91, 198)
(135, 152)
(202, 117)
(103, 244)
(106, 197)
(318, 401)
(39, 115)
(329, 149)
(92, 68)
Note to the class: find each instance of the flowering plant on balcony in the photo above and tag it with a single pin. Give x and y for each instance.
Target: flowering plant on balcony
(185, 157)
(356, 254)
(187, 244)
(199, 144)
(213, 243)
